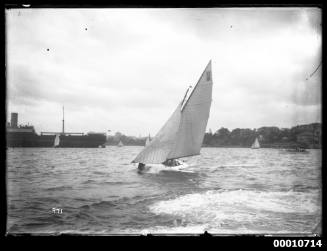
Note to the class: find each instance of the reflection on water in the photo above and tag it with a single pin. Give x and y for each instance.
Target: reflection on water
(223, 190)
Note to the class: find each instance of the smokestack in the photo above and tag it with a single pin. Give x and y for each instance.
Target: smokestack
(63, 119)
(14, 119)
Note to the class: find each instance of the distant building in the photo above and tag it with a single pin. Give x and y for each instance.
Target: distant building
(310, 135)
(317, 137)
(305, 137)
(14, 120)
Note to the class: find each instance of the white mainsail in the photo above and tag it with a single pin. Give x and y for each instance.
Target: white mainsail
(57, 140)
(120, 144)
(183, 133)
(148, 140)
(255, 144)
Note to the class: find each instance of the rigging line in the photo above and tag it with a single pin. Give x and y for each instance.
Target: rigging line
(183, 103)
(315, 70)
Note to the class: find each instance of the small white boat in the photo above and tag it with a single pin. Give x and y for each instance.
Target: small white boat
(56, 141)
(148, 140)
(256, 144)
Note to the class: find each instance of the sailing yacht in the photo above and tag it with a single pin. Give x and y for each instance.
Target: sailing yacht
(255, 144)
(120, 144)
(182, 135)
(56, 141)
(148, 140)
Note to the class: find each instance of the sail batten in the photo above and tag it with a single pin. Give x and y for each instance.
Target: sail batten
(183, 133)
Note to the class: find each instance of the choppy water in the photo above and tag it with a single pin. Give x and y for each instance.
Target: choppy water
(225, 191)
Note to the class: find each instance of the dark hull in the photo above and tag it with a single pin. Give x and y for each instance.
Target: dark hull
(82, 141)
(18, 139)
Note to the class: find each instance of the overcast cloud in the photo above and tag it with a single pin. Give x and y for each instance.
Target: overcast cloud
(126, 69)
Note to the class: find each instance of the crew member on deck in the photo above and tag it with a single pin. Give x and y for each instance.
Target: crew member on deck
(171, 162)
(141, 166)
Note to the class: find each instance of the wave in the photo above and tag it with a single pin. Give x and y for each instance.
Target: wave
(219, 206)
(117, 182)
(99, 205)
(253, 165)
(100, 173)
(59, 188)
(89, 181)
(100, 182)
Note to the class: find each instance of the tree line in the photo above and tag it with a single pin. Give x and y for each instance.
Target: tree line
(307, 136)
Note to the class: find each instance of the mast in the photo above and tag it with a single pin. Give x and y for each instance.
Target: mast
(185, 95)
(63, 120)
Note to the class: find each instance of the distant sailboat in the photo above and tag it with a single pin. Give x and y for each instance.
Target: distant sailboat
(255, 144)
(57, 141)
(148, 140)
(182, 135)
(120, 144)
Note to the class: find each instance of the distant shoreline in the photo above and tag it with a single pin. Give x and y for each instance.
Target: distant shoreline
(206, 146)
(305, 136)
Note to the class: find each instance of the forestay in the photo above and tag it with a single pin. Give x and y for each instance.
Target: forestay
(183, 133)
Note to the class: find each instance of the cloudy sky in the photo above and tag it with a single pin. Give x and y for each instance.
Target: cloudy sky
(126, 69)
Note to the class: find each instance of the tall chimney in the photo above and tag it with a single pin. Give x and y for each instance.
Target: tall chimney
(14, 119)
(63, 119)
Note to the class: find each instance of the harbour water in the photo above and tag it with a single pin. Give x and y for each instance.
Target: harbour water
(222, 191)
